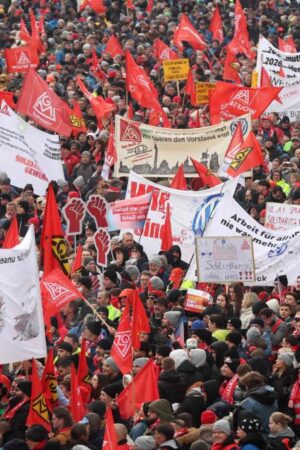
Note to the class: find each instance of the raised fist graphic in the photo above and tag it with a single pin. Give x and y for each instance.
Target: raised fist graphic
(74, 213)
(97, 208)
(102, 242)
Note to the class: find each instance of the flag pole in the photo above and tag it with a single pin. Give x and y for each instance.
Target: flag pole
(96, 313)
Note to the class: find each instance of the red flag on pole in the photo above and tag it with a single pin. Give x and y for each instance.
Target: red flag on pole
(264, 78)
(36, 43)
(77, 264)
(24, 33)
(179, 181)
(215, 26)
(96, 5)
(149, 6)
(130, 4)
(234, 147)
(187, 32)
(287, 45)
(142, 389)
(83, 375)
(111, 152)
(52, 240)
(113, 47)
(121, 350)
(240, 42)
(38, 412)
(247, 158)
(166, 233)
(110, 441)
(12, 235)
(101, 108)
(231, 67)
(163, 52)
(49, 382)
(19, 59)
(76, 405)
(205, 174)
(8, 97)
(190, 88)
(77, 121)
(140, 321)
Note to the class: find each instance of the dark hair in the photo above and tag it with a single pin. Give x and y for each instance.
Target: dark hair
(74, 337)
(37, 433)
(63, 413)
(103, 380)
(166, 430)
(65, 362)
(264, 183)
(239, 293)
(266, 312)
(293, 294)
(79, 432)
(217, 319)
(253, 380)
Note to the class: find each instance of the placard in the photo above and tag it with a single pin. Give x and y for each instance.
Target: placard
(202, 92)
(225, 259)
(280, 216)
(196, 300)
(176, 69)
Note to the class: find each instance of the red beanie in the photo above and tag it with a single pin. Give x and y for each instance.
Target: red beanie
(208, 417)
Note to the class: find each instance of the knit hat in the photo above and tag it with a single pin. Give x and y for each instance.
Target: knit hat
(173, 317)
(112, 364)
(221, 409)
(197, 325)
(257, 307)
(232, 364)
(234, 337)
(287, 358)
(132, 271)
(257, 321)
(140, 362)
(86, 153)
(235, 322)
(155, 259)
(157, 283)
(163, 350)
(198, 357)
(24, 204)
(79, 181)
(105, 344)
(94, 326)
(112, 389)
(85, 281)
(223, 426)
(144, 443)
(97, 407)
(179, 356)
(66, 346)
(191, 343)
(111, 275)
(250, 425)
(273, 304)
(208, 417)
(162, 408)
(25, 387)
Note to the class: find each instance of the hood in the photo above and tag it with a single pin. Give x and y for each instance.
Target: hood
(287, 432)
(211, 389)
(220, 348)
(186, 367)
(264, 394)
(175, 248)
(171, 376)
(170, 444)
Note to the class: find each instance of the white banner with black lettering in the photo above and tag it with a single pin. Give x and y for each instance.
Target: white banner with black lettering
(28, 155)
(22, 331)
(289, 104)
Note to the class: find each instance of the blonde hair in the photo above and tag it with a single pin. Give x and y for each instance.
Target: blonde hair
(282, 419)
(249, 299)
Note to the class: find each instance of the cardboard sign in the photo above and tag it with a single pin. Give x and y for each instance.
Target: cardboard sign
(280, 216)
(176, 69)
(196, 301)
(225, 259)
(202, 92)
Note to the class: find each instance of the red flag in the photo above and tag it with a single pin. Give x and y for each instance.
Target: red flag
(162, 51)
(57, 291)
(111, 152)
(234, 147)
(110, 441)
(287, 45)
(76, 405)
(228, 101)
(140, 321)
(187, 32)
(190, 88)
(77, 121)
(52, 240)
(247, 158)
(12, 235)
(8, 97)
(77, 264)
(197, 120)
(49, 382)
(96, 5)
(130, 112)
(41, 26)
(130, 4)
(19, 59)
(264, 78)
(179, 181)
(113, 47)
(121, 350)
(149, 6)
(24, 33)
(36, 43)
(240, 42)
(101, 108)
(41, 104)
(83, 375)
(166, 233)
(94, 59)
(231, 67)
(38, 412)
(143, 389)
(215, 26)
(205, 174)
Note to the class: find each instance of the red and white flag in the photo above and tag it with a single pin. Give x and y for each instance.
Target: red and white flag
(163, 52)
(121, 350)
(19, 59)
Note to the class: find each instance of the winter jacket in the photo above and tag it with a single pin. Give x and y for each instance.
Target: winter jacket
(253, 441)
(245, 317)
(262, 401)
(169, 445)
(185, 440)
(279, 441)
(283, 386)
(193, 404)
(228, 444)
(171, 387)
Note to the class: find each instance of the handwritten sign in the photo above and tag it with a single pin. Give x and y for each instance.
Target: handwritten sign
(176, 69)
(225, 259)
(202, 92)
(196, 300)
(280, 216)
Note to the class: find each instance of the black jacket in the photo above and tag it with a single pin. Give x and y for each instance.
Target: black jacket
(171, 387)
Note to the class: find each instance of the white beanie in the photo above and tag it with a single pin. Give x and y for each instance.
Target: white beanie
(179, 356)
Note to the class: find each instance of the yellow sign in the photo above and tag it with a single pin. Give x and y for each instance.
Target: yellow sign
(254, 79)
(202, 92)
(176, 69)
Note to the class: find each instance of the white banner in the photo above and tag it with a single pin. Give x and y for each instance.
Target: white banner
(281, 216)
(22, 332)
(190, 211)
(275, 252)
(272, 60)
(128, 213)
(28, 155)
(157, 152)
(290, 103)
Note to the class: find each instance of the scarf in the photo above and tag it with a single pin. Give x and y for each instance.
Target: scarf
(294, 394)
(229, 388)
(9, 414)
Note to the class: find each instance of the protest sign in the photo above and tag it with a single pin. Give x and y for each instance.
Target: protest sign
(275, 252)
(289, 97)
(28, 155)
(274, 60)
(280, 216)
(196, 300)
(189, 210)
(202, 92)
(158, 152)
(22, 330)
(176, 69)
(225, 259)
(128, 213)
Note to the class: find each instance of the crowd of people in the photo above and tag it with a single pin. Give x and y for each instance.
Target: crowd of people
(234, 382)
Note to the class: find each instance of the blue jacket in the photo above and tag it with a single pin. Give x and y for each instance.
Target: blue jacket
(262, 401)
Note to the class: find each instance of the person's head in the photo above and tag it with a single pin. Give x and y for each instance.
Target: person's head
(64, 350)
(72, 339)
(144, 279)
(278, 422)
(163, 433)
(229, 368)
(155, 264)
(248, 425)
(222, 301)
(253, 380)
(285, 311)
(110, 279)
(21, 389)
(64, 367)
(121, 431)
(79, 433)
(215, 322)
(249, 299)
(160, 307)
(291, 298)
(110, 368)
(128, 240)
(221, 431)
(267, 315)
(162, 352)
(61, 418)
(284, 360)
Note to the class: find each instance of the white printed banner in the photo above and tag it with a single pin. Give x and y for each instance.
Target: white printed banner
(22, 330)
(190, 211)
(275, 252)
(281, 216)
(157, 152)
(290, 103)
(28, 155)
(128, 213)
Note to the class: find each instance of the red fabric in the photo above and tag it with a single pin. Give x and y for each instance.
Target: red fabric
(49, 382)
(227, 389)
(96, 5)
(83, 376)
(8, 97)
(190, 88)
(247, 158)
(76, 405)
(166, 233)
(130, 4)
(264, 78)
(101, 108)
(77, 264)
(162, 51)
(140, 321)
(36, 43)
(187, 32)
(231, 67)
(121, 349)
(77, 121)
(240, 42)
(110, 441)
(179, 181)
(215, 26)
(38, 412)
(287, 45)
(235, 144)
(70, 162)
(52, 239)
(12, 235)
(142, 389)
(111, 151)
(19, 59)
(24, 33)
(205, 174)
(41, 104)
(130, 112)
(176, 277)
(113, 47)
(149, 6)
